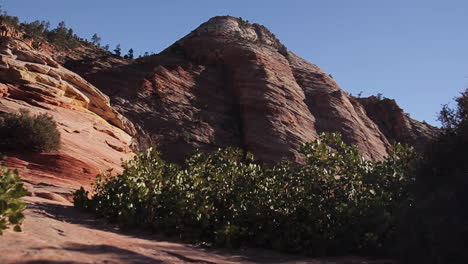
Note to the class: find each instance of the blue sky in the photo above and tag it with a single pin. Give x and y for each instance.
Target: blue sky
(413, 51)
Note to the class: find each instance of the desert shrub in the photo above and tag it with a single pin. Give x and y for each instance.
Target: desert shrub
(34, 30)
(437, 226)
(336, 203)
(62, 37)
(11, 205)
(341, 202)
(7, 19)
(24, 132)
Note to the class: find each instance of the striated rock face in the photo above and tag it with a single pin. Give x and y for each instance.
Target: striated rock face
(94, 135)
(231, 83)
(19, 64)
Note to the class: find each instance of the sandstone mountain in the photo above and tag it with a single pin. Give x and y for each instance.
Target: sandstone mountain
(227, 83)
(95, 137)
(232, 83)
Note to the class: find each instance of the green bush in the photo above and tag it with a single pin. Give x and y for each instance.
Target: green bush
(436, 229)
(336, 203)
(11, 205)
(26, 133)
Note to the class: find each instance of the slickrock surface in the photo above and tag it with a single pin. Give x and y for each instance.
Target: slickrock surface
(95, 137)
(231, 83)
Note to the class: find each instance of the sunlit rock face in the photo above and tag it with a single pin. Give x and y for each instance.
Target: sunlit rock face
(227, 83)
(232, 83)
(95, 137)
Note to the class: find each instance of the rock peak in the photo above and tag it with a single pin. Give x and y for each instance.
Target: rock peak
(238, 28)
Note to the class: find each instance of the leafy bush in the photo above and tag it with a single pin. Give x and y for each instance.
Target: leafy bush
(11, 205)
(437, 227)
(24, 132)
(336, 203)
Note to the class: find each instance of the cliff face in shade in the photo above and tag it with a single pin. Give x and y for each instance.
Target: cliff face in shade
(231, 83)
(395, 124)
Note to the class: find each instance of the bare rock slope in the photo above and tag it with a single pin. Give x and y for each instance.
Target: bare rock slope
(94, 136)
(231, 83)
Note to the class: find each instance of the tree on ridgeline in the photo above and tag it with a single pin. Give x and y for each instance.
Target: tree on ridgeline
(96, 40)
(118, 50)
(129, 54)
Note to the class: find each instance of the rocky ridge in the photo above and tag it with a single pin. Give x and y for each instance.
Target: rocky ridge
(232, 83)
(227, 83)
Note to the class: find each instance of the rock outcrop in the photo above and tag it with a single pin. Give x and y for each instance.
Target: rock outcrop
(227, 83)
(231, 83)
(95, 137)
(395, 124)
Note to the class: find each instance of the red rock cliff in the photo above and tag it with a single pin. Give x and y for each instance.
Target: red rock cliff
(231, 83)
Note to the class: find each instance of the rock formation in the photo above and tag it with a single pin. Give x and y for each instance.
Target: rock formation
(94, 135)
(231, 83)
(227, 83)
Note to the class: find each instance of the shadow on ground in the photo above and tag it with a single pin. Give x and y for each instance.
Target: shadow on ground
(115, 252)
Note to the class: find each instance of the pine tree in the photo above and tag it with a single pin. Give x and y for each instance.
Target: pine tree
(118, 50)
(130, 54)
(96, 39)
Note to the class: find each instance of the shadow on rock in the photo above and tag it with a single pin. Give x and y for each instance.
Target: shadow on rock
(116, 253)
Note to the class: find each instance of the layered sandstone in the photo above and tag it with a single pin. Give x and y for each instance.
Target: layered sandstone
(95, 137)
(231, 83)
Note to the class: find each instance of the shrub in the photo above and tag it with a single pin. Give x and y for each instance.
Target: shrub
(336, 203)
(11, 205)
(437, 227)
(24, 132)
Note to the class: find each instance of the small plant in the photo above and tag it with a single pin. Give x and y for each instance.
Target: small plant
(26, 133)
(11, 205)
(186, 136)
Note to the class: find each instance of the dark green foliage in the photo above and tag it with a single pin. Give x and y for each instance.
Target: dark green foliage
(62, 37)
(129, 54)
(336, 203)
(26, 133)
(118, 50)
(7, 19)
(96, 40)
(34, 30)
(11, 205)
(437, 228)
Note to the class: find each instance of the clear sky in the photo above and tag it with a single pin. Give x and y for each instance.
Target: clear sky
(415, 51)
